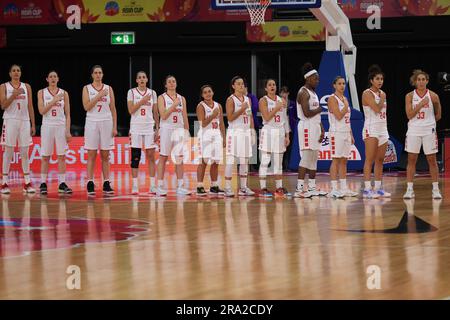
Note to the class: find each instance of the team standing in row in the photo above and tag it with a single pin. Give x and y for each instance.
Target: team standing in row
(164, 118)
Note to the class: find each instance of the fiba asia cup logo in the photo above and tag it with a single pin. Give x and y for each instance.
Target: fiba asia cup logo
(111, 8)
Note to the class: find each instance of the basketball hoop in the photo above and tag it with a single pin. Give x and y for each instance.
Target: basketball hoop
(257, 10)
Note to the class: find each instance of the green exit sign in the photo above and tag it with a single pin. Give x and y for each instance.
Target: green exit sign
(122, 38)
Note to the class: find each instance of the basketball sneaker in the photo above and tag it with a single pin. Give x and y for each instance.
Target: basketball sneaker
(302, 194)
(43, 188)
(64, 188)
(90, 188)
(383, 194)
(282, 192)
(349, 193)
(107, 188)
(27, 188)
(436, 194)
(335, 194)
(152, 190)
(246, 192)
(216, 191)
(409, 194)
(316, 192)
(161, 192)
(201, 192)
(228, 192)
(183, 192)
(370, 194)
(5, 189)
(265, 193)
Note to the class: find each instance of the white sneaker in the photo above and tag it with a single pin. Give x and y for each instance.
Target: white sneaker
(436, 194)
(335, 194)
(383, 194)
(27, 188)
(349, 193)
(135, 190)
(316, 192)
(182, 191)
(152, 190)
(302, 194)
(161, 192)
(228, 192)
(246, 192)
(409, 194)
(370, 194)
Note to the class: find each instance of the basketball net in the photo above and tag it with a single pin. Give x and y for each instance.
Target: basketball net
(257, 10)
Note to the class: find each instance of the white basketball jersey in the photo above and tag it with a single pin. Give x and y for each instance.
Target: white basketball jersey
(214, 124)
(175, 119)
(424, 122)
(342, 125)
(55, 116)
(18, 109)
(142, 119)
(375, 120)
(280, 118)
(243, 121)
(314, 103)
(101, 111)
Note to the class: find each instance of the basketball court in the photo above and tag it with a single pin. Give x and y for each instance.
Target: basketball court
(126, 246)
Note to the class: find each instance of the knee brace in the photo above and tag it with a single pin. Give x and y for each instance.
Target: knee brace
(135, 157)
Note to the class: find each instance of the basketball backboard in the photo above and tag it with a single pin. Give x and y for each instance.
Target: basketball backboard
(240, 4)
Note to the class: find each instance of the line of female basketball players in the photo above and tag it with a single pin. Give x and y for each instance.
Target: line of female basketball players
(163, 120)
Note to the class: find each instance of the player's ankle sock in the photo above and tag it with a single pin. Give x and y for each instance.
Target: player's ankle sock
(343, 184)
(367, 185)
(43, 177)
(312, 183)
(26, 176)
(334, 185)
(152, 181)
(262, 183)
(409, 185)
(435, 185)
(228, 184)
(279, 184)
(180, 183)
(61, 178)
(199, 184)
(243, 182)
(377, 185)
(214, 184)
(300, 184)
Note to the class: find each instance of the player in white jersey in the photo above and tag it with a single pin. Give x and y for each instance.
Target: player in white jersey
(423, 109)
(100, 128)
(310, 133)
(143, 108)
(341, 138)
(375, 133)
(211, 140)
(174, 132)
(240, 136)
(53, 105)
(16, 101)
(273, 138)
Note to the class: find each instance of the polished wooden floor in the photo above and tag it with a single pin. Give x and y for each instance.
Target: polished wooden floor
(142, 247)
